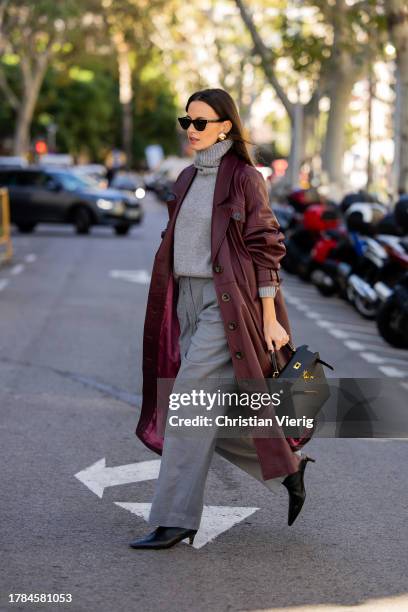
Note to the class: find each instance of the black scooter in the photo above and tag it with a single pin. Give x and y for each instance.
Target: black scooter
(392, 317)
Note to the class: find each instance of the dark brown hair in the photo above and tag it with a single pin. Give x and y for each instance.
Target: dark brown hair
(223, 104)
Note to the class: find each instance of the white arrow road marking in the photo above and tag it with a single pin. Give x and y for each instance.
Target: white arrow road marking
(30, 257)
(97, 477)
(215, 519)
(132, 276)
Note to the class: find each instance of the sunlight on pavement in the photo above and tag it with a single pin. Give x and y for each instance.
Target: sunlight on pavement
(399, 603)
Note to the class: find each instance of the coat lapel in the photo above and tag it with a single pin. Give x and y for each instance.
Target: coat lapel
(221, 214)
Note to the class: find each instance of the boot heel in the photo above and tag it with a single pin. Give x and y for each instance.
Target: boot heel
(191, 538)
(307, 458)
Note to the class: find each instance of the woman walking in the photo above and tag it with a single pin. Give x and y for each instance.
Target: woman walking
(215, 309)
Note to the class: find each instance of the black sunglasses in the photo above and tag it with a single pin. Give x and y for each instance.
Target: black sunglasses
(199, 124)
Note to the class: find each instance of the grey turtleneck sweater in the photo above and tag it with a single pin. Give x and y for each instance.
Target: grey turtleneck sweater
(192, 231)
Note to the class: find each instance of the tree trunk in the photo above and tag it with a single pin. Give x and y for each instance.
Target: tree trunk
(397, 14)
(24, 118)
(125, 93)
(33, 78)
(403, 68)
(333, 147)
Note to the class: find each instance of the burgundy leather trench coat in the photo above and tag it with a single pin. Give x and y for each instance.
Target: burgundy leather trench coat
(246, 248)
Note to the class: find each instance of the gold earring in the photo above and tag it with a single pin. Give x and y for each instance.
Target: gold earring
(222, 136)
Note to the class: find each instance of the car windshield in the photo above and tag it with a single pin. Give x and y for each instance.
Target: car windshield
(71, 182)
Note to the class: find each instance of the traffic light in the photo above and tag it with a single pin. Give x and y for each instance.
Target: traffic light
(41, 147)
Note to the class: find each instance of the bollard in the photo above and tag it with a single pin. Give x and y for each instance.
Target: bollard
(6, 248)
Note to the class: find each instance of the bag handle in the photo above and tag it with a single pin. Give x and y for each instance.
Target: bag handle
(274, 361)
(326, 364)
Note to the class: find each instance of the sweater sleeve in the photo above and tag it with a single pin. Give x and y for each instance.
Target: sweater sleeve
(262, 233)
(268, 291)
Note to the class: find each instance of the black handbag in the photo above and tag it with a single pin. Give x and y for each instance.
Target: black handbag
(306, 389)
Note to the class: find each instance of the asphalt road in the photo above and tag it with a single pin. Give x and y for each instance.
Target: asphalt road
(71, 320)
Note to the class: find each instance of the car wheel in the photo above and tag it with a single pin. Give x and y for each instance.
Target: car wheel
(26, 228)
(122, 230)
(82, 220)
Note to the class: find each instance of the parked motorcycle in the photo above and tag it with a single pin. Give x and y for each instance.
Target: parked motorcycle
(392, 317)
(316, 219)
(333, 257)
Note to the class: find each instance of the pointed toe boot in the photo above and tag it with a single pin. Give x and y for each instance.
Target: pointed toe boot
(164, 537)
(296, 489)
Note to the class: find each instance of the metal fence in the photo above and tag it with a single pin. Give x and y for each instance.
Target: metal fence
(6, 249)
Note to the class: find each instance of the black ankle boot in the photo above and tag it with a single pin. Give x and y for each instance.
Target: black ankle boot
(164, 537)
(296, 489)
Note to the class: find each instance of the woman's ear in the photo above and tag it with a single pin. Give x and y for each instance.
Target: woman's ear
(227, 126)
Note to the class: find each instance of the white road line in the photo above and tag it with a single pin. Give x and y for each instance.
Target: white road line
(299, 289)
(332, 318)
(3, 283)
(17, 269)
(350, 335)
(313, 315)
(375, 358)
(350, 326)
(30, 257)
(302, 307)
(366, 337)
(354, 345)
(132, 276)
(338, 333)
(321, 300)
(393, 372)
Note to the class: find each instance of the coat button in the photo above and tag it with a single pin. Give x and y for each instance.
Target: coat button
(239, 355)
(232, 325)
(225, 297)
(218, 268)
(236, 215)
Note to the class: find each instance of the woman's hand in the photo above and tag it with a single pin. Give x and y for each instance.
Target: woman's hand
(275, 335)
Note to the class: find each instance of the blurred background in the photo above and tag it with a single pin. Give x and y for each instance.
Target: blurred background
(90, 147)
(321, 86)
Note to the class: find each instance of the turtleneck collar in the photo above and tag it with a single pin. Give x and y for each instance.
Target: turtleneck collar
(207, 160)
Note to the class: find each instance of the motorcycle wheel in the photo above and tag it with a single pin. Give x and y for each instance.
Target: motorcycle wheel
(390, 324)
(368, 310)
(325, 290)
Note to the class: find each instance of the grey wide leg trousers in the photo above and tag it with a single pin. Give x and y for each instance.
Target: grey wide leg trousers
(179, 494)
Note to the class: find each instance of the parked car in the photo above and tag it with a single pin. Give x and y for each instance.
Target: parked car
(129, 181)
(60, 160)
(97, 172)
(15, 160)
(56, 195)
